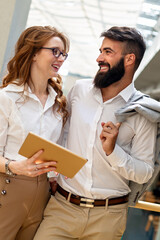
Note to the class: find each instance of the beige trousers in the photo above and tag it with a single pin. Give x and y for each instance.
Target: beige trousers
(65, 221)
(22, 201)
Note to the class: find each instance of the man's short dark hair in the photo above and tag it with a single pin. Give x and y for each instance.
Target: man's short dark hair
(134, 42)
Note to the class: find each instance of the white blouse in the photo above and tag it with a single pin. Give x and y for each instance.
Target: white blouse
(21, 112)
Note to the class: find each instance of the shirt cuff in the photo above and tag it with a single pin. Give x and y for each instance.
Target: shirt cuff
(117, 157)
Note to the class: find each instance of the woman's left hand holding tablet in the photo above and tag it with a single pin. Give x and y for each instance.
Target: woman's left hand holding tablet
(32, 167)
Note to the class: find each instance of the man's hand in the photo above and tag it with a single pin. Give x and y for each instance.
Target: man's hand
(53, 185)
(109, 136)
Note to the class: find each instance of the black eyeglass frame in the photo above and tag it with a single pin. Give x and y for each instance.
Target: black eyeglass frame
(65, 55)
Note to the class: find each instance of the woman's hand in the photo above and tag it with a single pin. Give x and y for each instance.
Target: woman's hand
(31, 167)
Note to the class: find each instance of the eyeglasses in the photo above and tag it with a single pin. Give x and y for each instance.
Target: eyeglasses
(56, 52)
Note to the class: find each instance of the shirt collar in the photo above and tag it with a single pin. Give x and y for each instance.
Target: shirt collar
(51, 96)
(14, 88)
(126, 93)
(27, 90)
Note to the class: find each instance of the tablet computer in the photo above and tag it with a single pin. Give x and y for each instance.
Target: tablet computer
(68, 163)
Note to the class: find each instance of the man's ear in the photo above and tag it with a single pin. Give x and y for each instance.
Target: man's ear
(129, 59)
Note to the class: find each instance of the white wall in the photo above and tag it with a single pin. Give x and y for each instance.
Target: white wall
(13, 17)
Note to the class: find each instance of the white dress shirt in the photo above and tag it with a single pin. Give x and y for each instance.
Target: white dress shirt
(21, 112)
(132, 159)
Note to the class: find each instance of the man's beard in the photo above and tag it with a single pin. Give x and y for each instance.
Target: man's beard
(114, 74)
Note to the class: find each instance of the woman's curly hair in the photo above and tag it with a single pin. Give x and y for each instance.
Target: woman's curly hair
(28, 44)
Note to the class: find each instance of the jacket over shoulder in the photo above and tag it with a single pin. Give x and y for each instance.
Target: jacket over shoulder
(150, 109)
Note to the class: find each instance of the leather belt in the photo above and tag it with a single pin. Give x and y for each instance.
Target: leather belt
(87, 202)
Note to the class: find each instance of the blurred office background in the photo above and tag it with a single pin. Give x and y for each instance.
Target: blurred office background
(83, 21)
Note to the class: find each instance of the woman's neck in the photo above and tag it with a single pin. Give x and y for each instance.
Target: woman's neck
(40, 89)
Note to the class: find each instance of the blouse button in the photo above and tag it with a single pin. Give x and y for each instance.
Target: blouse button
(3, 192)
(8, 180)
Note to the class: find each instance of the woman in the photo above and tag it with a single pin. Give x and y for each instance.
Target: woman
(31, 99)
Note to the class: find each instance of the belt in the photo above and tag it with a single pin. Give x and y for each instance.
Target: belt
(87, 202)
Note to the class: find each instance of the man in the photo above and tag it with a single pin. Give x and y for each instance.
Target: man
(93, 204)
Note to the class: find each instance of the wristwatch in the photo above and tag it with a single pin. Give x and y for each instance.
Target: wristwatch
(8, 171)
